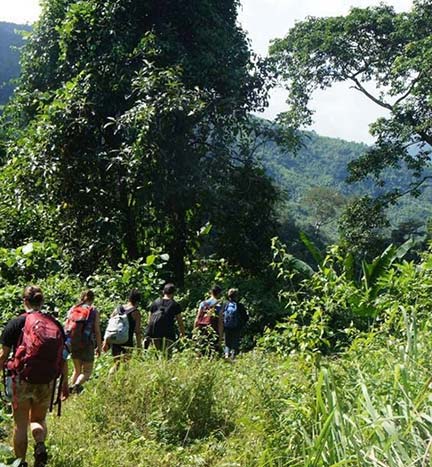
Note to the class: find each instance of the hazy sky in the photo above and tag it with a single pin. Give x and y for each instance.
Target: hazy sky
(340, 111)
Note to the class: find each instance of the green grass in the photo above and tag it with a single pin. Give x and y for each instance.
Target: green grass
(371, 406)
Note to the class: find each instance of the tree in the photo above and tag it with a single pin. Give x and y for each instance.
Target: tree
(372, 45)
(324, 203)
(116, 116)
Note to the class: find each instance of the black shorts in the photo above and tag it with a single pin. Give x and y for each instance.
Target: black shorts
(117, 350)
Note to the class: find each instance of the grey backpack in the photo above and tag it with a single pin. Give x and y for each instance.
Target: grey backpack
(117, 331)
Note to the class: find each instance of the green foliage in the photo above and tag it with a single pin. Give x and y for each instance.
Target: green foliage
(326, 310)
(376, 45)
(122, 112)
(368, 407)
(361, 227)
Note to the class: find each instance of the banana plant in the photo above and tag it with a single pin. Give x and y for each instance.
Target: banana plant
(373, 271)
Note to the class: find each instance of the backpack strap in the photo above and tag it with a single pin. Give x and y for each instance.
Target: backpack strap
(120, 310)
(58, 401)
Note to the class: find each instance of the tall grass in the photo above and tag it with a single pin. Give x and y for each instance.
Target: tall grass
(370, 407)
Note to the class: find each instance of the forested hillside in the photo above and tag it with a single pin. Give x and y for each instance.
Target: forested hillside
(315, 188)
(10, 41)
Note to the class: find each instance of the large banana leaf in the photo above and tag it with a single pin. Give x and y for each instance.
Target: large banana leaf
(373, 271)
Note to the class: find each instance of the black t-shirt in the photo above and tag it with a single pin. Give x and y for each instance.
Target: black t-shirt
(13, 330)
(171, 310)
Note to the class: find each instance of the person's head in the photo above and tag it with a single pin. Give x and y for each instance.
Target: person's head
(233, 295)
(33, 296)
(216, 291)
(87, 296)
(169, 289)
(134, 296)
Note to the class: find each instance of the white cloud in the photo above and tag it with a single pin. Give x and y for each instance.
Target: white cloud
(19, 11)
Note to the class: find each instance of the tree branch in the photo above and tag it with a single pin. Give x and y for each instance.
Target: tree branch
(377, 101)
(409, 90)
(412, 188)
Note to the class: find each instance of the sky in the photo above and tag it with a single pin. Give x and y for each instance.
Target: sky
(339, 112)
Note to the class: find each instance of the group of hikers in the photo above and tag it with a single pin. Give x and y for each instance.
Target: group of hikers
(36, 347)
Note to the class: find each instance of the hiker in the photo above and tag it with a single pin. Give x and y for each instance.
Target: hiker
(130, 312)
(37, 341)
(235, 318)
(164, 312)
(209, 319)
(84, 334)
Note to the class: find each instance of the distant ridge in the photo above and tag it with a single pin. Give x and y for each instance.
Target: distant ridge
(10, 40)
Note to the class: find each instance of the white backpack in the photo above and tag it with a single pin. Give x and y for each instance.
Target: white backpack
(117, 331)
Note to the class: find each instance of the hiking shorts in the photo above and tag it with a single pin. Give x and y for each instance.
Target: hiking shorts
(38, 393)
(85, 354)
(117, 350)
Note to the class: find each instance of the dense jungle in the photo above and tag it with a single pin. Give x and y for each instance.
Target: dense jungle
(132, 154)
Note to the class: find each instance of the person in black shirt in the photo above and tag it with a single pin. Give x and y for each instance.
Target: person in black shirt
(164, 312)
(30, 400)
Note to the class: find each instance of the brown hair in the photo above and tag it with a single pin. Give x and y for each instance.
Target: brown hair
(33, 294)
(134, 296)
(87, 296)
(216, 290)
(232, 294)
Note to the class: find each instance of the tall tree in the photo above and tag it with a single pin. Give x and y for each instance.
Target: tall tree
(393, 51)
(118, 105)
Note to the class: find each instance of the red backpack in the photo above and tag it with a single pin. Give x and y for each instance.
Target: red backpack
(38, 357)
(79, 325)
(208, 315)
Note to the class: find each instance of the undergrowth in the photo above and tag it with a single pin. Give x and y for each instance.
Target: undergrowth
(371, 406)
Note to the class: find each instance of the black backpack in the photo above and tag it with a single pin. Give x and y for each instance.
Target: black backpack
(158, 324)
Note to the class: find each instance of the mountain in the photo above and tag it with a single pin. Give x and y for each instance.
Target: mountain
(314, 187)
(10, 41)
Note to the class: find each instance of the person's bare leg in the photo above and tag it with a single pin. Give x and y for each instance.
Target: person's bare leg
(21, 418)
(87, 369)
(76, 371)
(39, 431)
(38, 423)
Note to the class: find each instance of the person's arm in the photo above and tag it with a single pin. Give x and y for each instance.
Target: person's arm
(4, 354)
(221, 325)
(180, 323)
(137, 317)
(65, 381)
(98, 334)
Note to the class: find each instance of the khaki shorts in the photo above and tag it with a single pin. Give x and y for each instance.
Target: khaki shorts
(38, 393)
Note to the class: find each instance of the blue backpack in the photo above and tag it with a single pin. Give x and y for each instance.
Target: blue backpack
(231, 316)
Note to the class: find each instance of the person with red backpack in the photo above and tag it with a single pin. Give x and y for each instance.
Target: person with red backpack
(37, 341)
(84, 335)
(209, 319)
